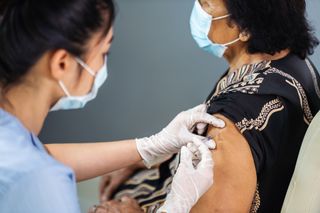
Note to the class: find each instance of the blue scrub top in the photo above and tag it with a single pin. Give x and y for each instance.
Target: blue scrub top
(31, 181)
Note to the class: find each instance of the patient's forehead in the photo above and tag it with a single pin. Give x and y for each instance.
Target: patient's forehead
(214, 7)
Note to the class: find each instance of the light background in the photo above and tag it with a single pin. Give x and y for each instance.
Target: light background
(155, 71)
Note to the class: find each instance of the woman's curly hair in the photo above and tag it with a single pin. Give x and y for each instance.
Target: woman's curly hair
(274, 25)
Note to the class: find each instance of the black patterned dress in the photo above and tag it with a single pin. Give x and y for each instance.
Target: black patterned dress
(272, 104)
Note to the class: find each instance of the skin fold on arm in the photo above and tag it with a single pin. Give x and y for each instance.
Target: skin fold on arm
(235, 177)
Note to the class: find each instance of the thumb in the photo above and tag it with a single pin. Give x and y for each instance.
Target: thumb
(186, 157)
(201, 128)
(206, 158)
(198, 140)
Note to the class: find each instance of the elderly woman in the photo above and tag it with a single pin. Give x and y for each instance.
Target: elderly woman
(267, 97)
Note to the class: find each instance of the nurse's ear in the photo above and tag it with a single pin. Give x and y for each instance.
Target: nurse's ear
(61, 63)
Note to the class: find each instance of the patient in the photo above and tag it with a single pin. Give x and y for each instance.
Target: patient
(268, 97)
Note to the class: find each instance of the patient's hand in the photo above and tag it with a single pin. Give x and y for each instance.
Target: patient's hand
(235, 175)
(125, 205)
(111, 181)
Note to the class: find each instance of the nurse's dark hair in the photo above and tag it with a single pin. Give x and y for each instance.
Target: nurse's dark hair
(30, 28)
(274, 25)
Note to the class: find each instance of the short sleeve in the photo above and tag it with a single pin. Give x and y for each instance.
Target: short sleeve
(49, 190)
(260, 118)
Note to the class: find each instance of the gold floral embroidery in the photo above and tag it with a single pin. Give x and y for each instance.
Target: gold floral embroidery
(248, 87)
(247, 80)
(261, 121)
(256, 201)
(241, 77)
(301, 93)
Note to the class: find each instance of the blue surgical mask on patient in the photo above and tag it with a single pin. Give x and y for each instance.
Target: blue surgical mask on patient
(200, 24)
(77, 102)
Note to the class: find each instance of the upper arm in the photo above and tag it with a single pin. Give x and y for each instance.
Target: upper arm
(235, 177)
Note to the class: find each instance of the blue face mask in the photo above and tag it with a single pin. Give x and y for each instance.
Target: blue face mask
(200, 24)
(77, 102)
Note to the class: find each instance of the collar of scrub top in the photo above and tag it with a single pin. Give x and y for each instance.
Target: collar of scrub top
(37, 143)
(34, 139)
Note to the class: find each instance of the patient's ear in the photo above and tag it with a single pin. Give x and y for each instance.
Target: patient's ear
(244, 36)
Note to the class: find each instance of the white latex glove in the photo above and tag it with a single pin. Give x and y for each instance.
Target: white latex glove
(190, 182)
(177, 134)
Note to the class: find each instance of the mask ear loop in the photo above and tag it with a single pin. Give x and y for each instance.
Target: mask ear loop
(64, 88)
(231, 42)
(221, 17)
(86, 67)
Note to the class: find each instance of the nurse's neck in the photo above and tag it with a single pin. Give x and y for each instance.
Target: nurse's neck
(28, 103)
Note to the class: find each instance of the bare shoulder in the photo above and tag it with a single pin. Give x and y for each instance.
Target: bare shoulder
(234, 173)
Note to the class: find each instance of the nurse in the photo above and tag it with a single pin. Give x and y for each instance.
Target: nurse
(53, 57)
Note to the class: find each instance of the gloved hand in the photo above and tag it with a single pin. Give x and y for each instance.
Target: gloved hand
(190, 182)
(177, 134)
